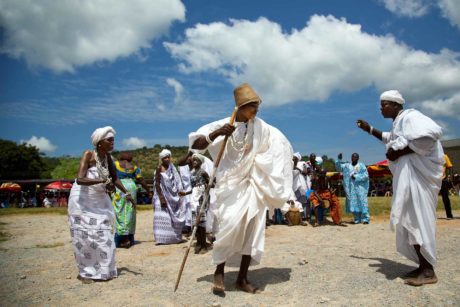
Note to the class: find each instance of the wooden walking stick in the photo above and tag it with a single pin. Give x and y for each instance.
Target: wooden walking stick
(205, 200)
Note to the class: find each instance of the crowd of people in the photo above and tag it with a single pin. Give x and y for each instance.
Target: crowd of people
(255, 173)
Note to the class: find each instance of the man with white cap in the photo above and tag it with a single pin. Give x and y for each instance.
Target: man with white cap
(416, 161)
(255, 172)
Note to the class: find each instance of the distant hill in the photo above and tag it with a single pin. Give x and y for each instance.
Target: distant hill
(145, 158)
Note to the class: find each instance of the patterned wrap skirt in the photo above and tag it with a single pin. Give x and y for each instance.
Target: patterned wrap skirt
(93, 245)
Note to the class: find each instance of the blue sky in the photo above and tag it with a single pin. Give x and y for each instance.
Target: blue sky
(156, 70)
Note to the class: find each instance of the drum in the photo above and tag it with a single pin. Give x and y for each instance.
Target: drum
(294, 216)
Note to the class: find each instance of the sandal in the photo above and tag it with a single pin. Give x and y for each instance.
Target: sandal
(421, 280)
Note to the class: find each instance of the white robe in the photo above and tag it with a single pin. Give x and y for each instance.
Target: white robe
(416, 183)
(245, 188)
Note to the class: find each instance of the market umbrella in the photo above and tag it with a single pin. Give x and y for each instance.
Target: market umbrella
(59, 185)
(10, 187)
(334, 175)
(379, 169)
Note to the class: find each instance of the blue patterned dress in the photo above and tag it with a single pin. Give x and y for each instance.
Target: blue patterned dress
(356, 190)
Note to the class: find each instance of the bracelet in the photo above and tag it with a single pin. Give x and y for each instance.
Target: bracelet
(371, 129)
(208, 139)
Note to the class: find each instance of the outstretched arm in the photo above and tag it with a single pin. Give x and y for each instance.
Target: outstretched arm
(364, 125)
(183, 160)
(203, 142)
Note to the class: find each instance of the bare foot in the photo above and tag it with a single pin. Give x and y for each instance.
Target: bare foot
(246, 287)
(85, 280)
(423, 278)
(218, 287)
(413, 273)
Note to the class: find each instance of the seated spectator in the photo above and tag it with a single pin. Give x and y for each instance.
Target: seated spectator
(292, 212)
(47, 203)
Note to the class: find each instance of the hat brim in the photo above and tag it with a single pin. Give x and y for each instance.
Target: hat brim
(259, 101)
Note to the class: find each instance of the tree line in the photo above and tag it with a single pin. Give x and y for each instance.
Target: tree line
(23, 161)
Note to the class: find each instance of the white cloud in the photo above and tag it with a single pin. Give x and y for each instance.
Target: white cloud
(61, 35)
(178, 89)
(134, 142)
(451, 10)
(42, 143)
(328, 55)
(449, 107)
(408, 8)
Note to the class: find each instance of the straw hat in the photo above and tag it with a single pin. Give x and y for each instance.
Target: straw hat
(244, 94)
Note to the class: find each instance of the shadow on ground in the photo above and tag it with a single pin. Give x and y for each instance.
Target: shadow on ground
(124, 270)
(260, 278)
(391, 269)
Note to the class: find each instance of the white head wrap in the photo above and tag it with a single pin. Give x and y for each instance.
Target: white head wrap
(302, 165)
(392, 95)
(319, 160)
(198, 156)
(165, 153)
(298, 156)
(101, 134)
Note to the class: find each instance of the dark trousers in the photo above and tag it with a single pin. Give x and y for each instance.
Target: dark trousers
(445, 198)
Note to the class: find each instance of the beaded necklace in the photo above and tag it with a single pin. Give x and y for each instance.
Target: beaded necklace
(102, 168)
(241, 142)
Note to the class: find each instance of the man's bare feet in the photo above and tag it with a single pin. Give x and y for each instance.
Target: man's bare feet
(246, 286)
(413, 273)
(218, 286)
(425, 277)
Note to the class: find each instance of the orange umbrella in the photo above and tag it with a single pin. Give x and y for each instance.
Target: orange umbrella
(379, 169)
(10, 187)
(59, 185)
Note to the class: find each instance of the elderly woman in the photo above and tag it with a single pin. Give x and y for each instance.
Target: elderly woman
(125, 211)
(169, 215)
(199, 179)
(90, 211)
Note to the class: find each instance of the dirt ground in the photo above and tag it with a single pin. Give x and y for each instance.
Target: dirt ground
(302, 266)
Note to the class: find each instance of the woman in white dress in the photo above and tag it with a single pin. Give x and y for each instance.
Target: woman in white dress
(90, 212)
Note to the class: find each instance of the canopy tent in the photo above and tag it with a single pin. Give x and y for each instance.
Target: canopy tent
(379, 169)
(10, 187)
(334, 175)
(59, 185)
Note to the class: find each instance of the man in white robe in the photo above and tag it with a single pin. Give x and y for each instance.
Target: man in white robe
(255, 172)
(416, 162)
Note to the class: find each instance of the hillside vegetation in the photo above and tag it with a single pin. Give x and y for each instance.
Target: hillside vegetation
(145, 158)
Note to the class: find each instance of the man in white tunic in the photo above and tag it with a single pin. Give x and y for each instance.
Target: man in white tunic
(416, 159)
(255, 172)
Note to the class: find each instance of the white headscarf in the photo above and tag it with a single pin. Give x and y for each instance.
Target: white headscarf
(298, 155)
(319, 160)
(164, 153)
(198, 156)
(101, 134)
(392, 95)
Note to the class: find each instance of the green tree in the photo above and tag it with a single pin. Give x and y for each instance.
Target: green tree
(67, 168)
(20, 161)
